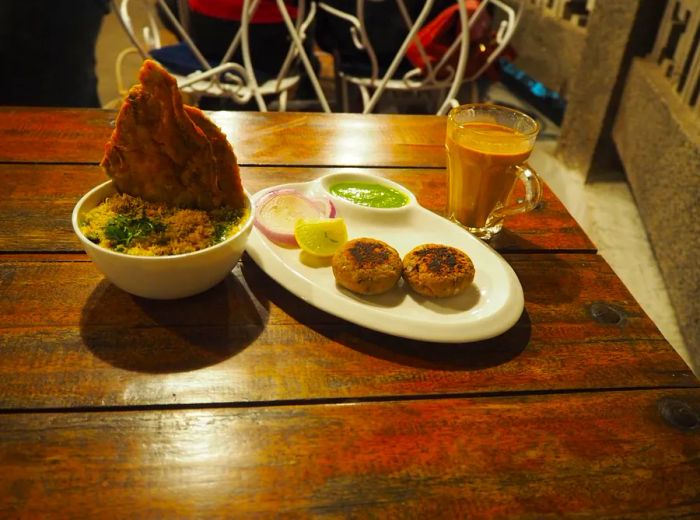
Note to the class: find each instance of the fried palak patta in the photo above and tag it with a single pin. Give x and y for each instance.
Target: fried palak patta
(165, 151)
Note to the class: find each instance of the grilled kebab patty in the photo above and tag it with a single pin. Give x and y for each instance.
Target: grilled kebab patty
(366, 266)
(436, 270)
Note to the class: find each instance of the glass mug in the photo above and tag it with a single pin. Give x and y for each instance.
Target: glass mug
(487, 146)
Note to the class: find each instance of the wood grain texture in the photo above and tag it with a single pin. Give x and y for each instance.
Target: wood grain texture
(39, 199)
(71, 339)
(596, 455)
(54, 135)
(245, 401)
(79, 136)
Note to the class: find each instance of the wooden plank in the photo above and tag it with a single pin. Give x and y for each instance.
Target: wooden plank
(79, 135)
(38, 201)
(71, 339)
(591, 455)
(54, 135)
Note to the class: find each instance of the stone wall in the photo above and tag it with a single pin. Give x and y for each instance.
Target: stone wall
(630, 72)
(657, 135)
(549, 48)
(583, 51)
(599, 71)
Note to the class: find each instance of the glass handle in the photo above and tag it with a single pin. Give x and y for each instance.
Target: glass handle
(533, 192)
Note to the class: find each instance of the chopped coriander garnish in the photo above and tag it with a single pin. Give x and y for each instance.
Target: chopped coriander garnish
(123, 229)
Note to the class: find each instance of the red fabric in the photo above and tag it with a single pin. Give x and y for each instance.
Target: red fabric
(440, 33)
(267, 11)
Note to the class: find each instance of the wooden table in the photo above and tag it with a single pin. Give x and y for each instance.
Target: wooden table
(246, 401)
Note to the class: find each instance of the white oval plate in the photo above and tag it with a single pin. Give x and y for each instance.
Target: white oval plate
(490, 306)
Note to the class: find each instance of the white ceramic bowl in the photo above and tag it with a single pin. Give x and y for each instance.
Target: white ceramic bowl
(162, 277)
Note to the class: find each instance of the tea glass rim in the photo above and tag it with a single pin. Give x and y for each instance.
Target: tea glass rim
(536, 127)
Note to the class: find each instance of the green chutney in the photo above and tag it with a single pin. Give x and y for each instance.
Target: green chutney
(369, 194)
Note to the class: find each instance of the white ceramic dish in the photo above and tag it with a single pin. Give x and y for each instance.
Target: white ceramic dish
(161, 277)
(490, 306)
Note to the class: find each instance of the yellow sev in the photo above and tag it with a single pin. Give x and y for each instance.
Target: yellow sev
(133, 226)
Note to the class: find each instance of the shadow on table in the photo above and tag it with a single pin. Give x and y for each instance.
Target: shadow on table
(508, 241)
(421, 354)
(155, 336)
(477, 355)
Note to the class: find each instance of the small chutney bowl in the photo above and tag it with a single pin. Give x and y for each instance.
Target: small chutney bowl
(162, 277)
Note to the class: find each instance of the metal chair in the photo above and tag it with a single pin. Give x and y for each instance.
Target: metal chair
(443, 77)
(196, 76)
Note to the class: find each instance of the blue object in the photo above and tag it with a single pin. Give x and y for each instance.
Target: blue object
(179, 59)
(547, 101)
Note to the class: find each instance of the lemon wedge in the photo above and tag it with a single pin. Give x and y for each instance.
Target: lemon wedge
(320, 237)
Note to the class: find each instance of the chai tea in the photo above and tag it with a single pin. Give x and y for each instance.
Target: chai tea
(482, 162)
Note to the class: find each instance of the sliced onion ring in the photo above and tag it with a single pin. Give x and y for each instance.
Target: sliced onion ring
(326, 207)
(278, 211)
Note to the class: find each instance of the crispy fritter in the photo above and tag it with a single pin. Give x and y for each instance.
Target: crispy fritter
(436, 270)
(164, 151)
(366, 266)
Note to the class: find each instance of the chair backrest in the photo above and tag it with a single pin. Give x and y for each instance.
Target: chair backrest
(506, 19)
(200, 77)
(446, 72)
